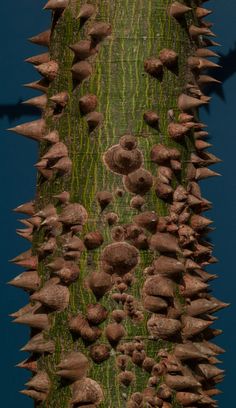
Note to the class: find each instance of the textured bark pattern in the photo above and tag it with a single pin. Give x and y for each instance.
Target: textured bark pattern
(120, 307)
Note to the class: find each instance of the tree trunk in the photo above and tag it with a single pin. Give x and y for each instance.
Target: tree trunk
(140, 244)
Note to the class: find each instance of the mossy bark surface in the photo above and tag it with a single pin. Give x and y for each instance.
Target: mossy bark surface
(140, 29)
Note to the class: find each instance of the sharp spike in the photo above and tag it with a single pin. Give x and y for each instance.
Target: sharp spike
(186, 103)
(29, 364)
(41, 85)
(33, 130)
(42, 38)
(204, 172)
(206, 79)
(37, 321)
(178, 10)
(195, 31)
(23, 256)
(39, 59)
(38, 344)
(29, 308)
(39, 101)
(56, 4)
(205, 53)
(29, 280)
(202, 12)
(38, 396)
(26, 208)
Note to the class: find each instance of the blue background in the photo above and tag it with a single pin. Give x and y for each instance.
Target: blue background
(22, 19)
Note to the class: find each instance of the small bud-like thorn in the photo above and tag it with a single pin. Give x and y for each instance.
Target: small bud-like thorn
(56, 4)
(195, 31)
(38, 101)
(162, 327)
(26, 208)
(46, 173)
(177, 131)
(104, 198)
(154, 67)
(99, 31)
(204, 172)
(94, 119)
(63, 197)
(41, 85)
(39, 59)
(202, 12)
(83, 49)
(54, 296)
(48, 70)
(40, 382)
(87, 393)
(177, 10)
(169, 58)
(52, 137)
(86, 11)
(61, 98)
(185, 117)
(114, 333)
(74, 366)
(100, 283)
(63, 165)
(38, 344)
(88, 103)
(152, 119)
(42, 38)
(56, 151)
(73, 213)
(33, 130)
(164, 242)
(186, 103)
(81, 71)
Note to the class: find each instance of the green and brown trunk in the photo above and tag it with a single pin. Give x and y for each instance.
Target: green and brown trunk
(125, 92)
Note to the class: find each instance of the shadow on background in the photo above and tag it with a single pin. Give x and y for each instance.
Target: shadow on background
(228, 64)
(14, 111)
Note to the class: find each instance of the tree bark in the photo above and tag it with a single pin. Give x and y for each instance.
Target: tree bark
(125, 91)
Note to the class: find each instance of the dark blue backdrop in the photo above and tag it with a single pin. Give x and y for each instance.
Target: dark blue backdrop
(23, 19)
